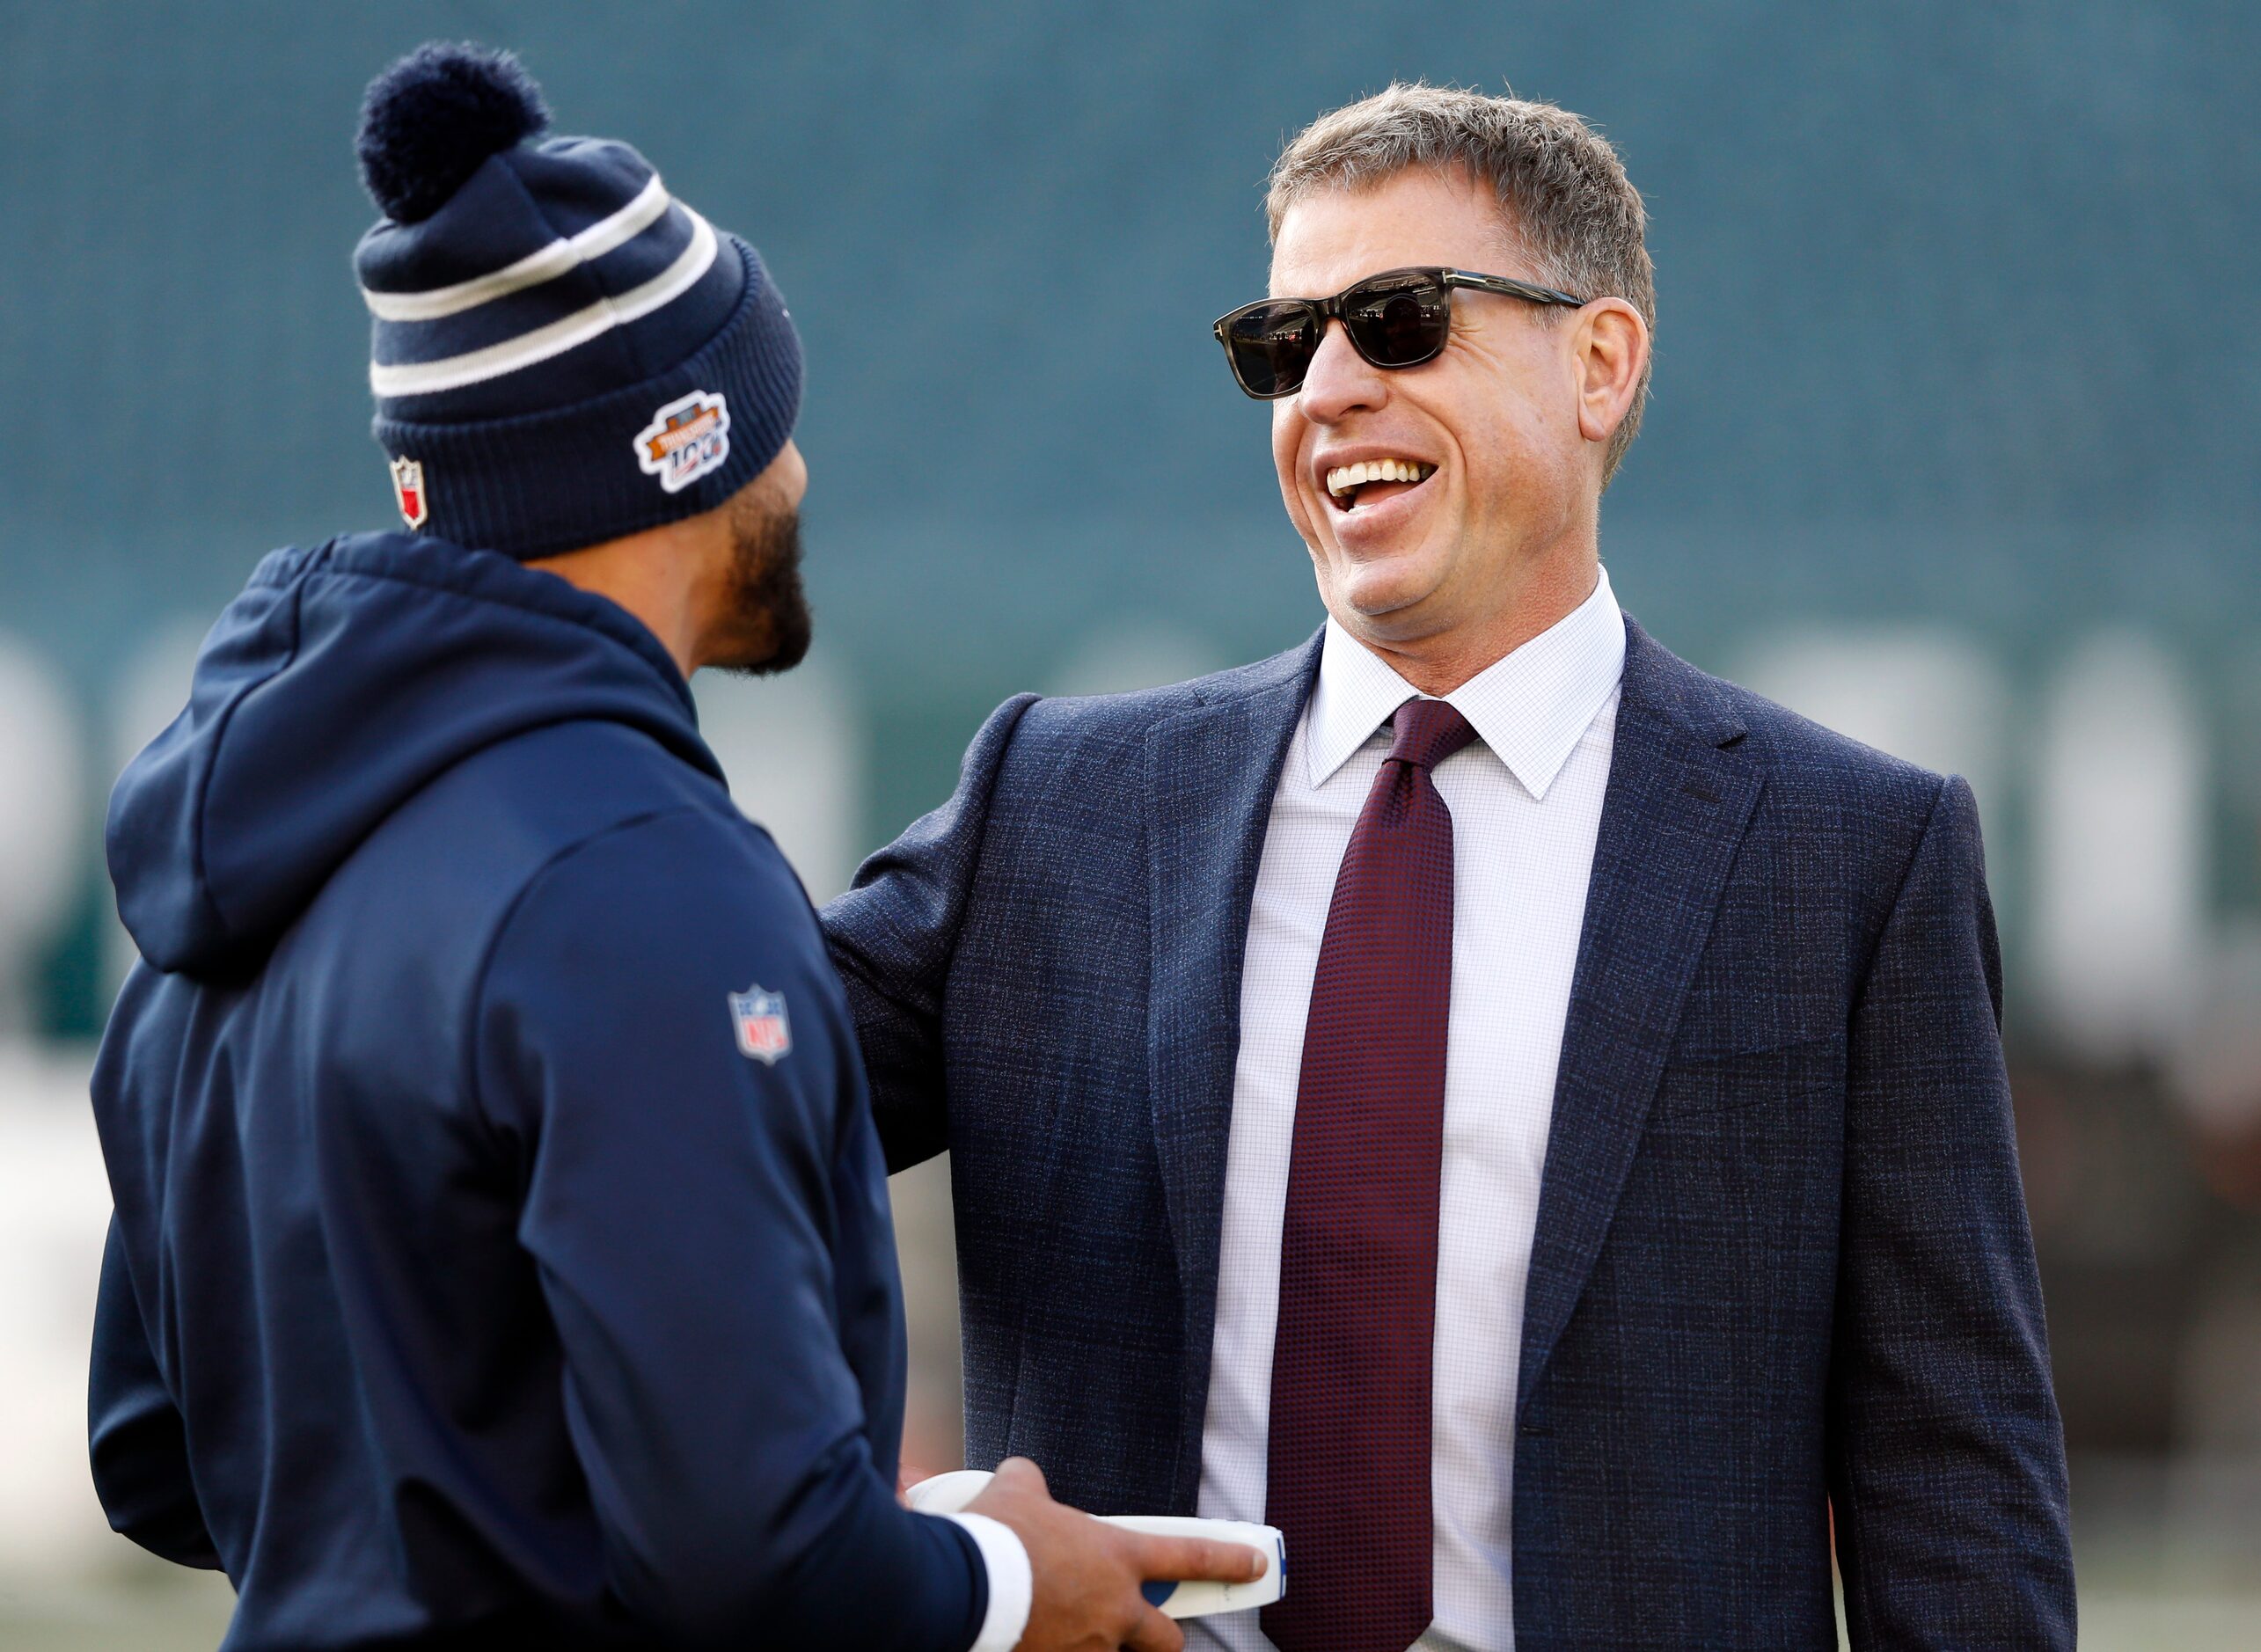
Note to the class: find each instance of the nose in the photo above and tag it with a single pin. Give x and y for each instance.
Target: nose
(1341, 381)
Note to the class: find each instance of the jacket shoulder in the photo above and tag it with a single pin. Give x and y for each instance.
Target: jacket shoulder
(1112, 719)
(1801, 759)
(1799, 750)
(478, 836)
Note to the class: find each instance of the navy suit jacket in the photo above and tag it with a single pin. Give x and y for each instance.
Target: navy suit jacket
(1781, 1265)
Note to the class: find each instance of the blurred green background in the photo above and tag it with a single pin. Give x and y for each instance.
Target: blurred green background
(1954, 444)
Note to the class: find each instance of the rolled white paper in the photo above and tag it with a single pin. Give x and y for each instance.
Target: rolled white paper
(949, 1494)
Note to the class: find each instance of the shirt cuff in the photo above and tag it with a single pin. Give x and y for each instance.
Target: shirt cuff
(1012, 1585)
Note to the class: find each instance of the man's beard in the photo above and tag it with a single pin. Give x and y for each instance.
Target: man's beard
(769, 619)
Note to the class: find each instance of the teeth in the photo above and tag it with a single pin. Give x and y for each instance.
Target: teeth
(1343, 477)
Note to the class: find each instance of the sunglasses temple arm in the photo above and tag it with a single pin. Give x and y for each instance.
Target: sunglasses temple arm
(1510, 289)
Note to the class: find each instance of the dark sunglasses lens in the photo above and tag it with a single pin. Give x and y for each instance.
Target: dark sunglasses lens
(1272, 346)
(1398, 320)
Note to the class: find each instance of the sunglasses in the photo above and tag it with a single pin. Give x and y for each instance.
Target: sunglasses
(1400, 318)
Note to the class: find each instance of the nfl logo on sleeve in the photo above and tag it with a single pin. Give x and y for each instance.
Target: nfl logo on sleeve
(759, 1020)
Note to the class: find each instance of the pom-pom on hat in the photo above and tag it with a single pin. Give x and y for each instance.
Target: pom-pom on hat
(561, 352)
(431, 121)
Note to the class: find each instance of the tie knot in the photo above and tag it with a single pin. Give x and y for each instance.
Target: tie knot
(1427, 732)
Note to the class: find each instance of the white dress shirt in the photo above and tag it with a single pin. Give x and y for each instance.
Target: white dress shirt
(1527, 807)
(1012, 1583)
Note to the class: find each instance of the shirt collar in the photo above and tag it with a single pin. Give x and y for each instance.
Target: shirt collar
(1529, 707)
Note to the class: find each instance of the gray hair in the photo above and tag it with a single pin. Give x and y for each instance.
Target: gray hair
(1562, 188)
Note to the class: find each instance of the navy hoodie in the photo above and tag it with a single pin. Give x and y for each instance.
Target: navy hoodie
(482, 1273)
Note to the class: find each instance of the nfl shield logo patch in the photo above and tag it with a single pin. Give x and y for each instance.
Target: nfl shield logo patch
(759, 1019)
(408, 488)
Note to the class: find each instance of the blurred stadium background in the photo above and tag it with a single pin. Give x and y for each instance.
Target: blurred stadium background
(1955, 445)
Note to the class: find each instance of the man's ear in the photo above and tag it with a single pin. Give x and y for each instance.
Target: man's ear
(1610, 350)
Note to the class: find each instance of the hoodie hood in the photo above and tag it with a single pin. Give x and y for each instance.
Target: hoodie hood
(342, 682)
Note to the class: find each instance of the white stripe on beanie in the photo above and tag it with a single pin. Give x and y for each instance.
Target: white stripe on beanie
(452, 372)
(545, 264)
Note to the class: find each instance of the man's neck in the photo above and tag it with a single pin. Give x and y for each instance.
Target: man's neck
(653, 579)
(1438, 663)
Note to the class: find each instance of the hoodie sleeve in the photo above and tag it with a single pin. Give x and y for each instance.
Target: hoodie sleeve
(711, 1233)
(136, 1443)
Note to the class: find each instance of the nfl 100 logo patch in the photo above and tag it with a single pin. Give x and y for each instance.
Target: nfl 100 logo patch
(686, 439)
(759, 1019)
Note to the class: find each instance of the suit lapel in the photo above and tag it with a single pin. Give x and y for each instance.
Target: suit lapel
(1211, 773)
(1672, 817)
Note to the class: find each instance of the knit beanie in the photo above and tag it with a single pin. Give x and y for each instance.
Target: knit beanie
(561, 352)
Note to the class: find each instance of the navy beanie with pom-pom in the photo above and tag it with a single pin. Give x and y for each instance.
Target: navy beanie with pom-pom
(563, 353)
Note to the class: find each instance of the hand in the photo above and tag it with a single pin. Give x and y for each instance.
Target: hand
(1087, 1574)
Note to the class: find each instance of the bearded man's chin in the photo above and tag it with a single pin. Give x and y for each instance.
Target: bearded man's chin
(771, 607)
(780, 646)
(788, 648)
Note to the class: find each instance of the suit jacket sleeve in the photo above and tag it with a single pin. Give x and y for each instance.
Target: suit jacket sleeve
(136, 1443)
(892, 936)
(1946, 1457)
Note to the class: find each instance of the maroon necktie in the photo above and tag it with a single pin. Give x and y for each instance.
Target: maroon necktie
(1349, 1486)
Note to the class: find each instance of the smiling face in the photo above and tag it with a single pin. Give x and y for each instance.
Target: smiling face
(1450, 508)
